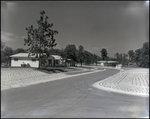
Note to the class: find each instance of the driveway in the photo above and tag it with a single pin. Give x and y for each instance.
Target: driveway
(72, 97)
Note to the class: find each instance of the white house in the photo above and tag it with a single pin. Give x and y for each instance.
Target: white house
(22, 58)
(54, 60)
(107, 63)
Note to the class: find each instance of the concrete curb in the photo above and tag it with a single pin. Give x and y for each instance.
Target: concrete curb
(96, 85)
(120, 88)
(47, 79)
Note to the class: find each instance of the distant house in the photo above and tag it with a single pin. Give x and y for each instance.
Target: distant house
(22, 58)
(107, 63)
(54, 60)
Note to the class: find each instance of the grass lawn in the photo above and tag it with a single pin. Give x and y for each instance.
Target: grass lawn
(51, 70)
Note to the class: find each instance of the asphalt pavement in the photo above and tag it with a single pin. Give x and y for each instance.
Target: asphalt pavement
(72, 97)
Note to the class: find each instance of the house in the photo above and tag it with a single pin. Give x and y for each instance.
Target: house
(54, 60)
(24, 58)
(107, 63)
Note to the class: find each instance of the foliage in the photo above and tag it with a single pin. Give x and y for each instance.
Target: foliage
(104, 54)
(121, 58)
(2, 52)
(96, 58)
(144, 55)
(90, 58)
(117, 57)
(137, 56)
(81, 54)
(87, 57)
(131, 55)
(2, 46)
(19, 50)
(71, 52)
(140, 56)
(40, 38)
(55, 51)
(7, 52)
(125, 59)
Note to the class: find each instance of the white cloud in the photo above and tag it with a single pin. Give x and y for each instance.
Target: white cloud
(23, 37)
(107, 47)
(7, 37)
(99, 48)
(6, 33)
(16, 36)
(96, 48)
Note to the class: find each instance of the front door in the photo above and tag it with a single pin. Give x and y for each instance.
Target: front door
(50, 62)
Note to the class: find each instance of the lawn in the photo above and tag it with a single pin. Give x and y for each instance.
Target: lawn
(51, 70)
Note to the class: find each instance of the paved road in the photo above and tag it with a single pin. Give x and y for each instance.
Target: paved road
(72, 97)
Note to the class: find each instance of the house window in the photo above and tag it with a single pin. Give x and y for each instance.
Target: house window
(15, 59)
(57, 61)
(33, 60)
(50, 61)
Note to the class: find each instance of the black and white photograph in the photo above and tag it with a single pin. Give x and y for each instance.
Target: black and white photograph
(74, 59)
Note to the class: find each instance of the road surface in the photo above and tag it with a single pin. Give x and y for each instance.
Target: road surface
(72, 97)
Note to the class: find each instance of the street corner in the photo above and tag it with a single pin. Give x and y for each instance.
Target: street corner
(127, 82)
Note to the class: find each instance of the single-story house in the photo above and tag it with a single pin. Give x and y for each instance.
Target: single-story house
(24, 58)
(107, 63)
(54, 60)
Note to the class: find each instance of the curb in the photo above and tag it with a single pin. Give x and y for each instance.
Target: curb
(126, 89)
(46, 80)
(96, 85)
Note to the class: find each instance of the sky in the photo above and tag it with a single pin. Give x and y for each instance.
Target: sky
(118, 26)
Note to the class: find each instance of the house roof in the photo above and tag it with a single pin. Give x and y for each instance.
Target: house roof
(33, 56)
(56, 56)
(107, 61)
(25, 55)
(69, 59)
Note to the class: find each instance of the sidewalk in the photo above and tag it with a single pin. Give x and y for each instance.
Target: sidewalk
(134, 82)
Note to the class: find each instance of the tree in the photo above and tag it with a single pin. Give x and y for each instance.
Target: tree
(2, 46)
(71, 52)
(120, 58)
(131, 55)
(81, 54)
(144, 56)
(137, 56)
(103, 53)
(2, 52)
(87, 57)
(96, 58)
(107, 58)
(55, 51)
(124, 59)
(40, 38)
(63, 54)
(20, 50)
(117, 57)
(7, 52)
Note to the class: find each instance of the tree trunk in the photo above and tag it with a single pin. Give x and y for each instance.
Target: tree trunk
(39, 63)
(7, 60)
(81, 62)
(39, 60)
(65, 62)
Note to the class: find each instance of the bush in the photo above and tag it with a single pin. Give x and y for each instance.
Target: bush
(28, 65)
(23, 65)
